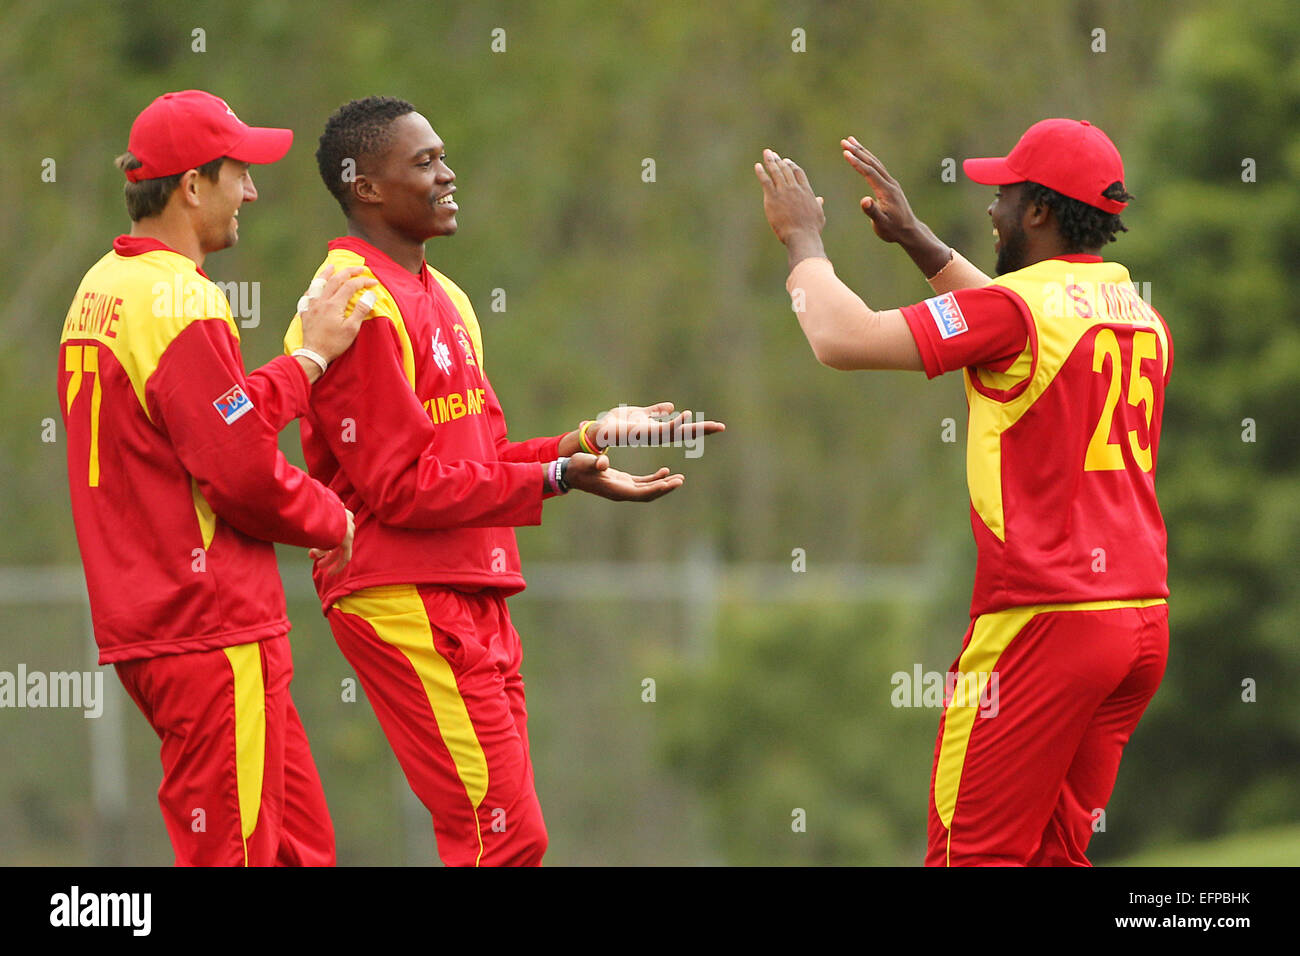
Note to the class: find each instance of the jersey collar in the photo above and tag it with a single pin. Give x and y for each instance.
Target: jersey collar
(371, 253)
(138, 245)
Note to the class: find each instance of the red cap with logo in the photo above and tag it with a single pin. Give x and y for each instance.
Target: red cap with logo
(1072, 157)
(180, 131)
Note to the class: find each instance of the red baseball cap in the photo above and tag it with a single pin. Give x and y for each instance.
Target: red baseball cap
(1071, 156)
(180, 131)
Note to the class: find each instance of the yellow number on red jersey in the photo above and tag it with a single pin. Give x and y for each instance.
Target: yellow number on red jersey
(82, 361)
(1103, 454)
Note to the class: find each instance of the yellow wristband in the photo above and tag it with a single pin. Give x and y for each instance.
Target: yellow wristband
(587, 446)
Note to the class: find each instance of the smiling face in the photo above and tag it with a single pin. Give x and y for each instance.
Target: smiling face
(413, 183)
(1010, 240)
(218, 223)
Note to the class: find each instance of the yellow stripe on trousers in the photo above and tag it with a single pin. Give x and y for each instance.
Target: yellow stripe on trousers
(992, 635)
(250, 734)
(399, 618)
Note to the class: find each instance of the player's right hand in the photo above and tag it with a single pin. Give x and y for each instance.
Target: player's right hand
(891, 215)
(327, 326)
(335, 559)
(592, 474)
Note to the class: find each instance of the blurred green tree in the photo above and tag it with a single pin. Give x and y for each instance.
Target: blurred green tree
(1216, 232)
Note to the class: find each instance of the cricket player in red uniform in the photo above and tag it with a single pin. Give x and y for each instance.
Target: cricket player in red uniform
(409, 432)
(178, 489)
(1065, 369)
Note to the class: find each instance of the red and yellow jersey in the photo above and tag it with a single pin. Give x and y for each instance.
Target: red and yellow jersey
(406, 429)
(1065, 369)
(178, 486)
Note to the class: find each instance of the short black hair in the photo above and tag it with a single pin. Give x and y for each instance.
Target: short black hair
(1082, 226)
(149, 197)
(356, 131)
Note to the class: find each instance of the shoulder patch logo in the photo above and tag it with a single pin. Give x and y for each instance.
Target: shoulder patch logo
(947, 315)
(233, 405)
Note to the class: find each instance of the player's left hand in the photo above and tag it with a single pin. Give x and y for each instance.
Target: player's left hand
(335, 559)
(649, 425)
(890, 213)
(792, 208)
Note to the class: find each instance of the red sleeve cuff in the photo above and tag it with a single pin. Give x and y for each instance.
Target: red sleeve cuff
(919, 322)
(986, 327)
(301, 384)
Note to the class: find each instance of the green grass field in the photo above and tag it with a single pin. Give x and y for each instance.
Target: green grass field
(1276, 847)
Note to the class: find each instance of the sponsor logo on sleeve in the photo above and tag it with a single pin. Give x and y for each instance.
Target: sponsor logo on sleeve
(233, 405)
(947, 315)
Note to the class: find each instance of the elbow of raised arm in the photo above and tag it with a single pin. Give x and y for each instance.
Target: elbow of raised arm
(838, 362)
(828, 343)
(829, 354)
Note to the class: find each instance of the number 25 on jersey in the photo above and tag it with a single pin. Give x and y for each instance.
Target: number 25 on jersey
(1103, 454)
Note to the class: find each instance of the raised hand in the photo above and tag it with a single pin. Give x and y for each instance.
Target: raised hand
(893, 220)
(792, 209)
(890, 213)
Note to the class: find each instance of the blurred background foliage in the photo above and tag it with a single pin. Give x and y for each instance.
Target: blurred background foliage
(769, 697)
